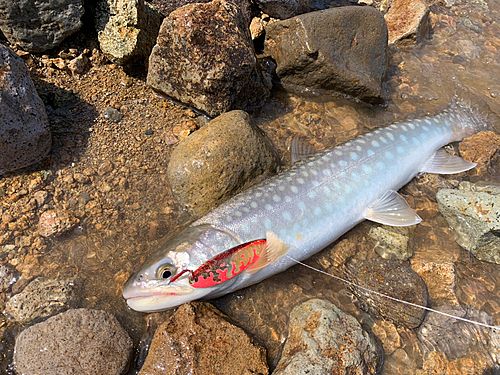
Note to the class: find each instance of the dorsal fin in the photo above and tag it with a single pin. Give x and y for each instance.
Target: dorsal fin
(443, 163)
(275, 248)
(392, 209)
(300, 149)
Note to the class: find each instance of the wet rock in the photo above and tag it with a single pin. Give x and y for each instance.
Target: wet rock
(480, 148)
(407, 19)
(41, 298)
(113, 115)
(341, 49)
(56, 222)
(199, 340)
(388, 335)
(222, 158)
(8, 277)
(79, 341)
(394, 278)
(127, 29)
(473, 211)
(24, 129)
(38, 26)
(204, 57)
(322, 339)
(391, 242)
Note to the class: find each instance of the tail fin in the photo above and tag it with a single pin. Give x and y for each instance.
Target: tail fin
(470, 118)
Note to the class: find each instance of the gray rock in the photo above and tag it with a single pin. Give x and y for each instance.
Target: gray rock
(113, 115)
(283, 9)
(473, 211)
(337, 50)
(408, 20)
(218, 160)
(41, 298)
(391, 242)
(204, 57)
(79, 341)
(24, 128)
(8, 277)
(127, 29)
(37, 26)
(394, 278)
(324, 340)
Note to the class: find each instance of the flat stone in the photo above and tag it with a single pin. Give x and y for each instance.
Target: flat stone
(322, 339)
(25, 137)
(199, 340)
(80, 341)
(408, 19)
(217, 161)
(127, 29)
(336, 50)
(473, 211)
(38, 26)
(204, 57)
(41, 298)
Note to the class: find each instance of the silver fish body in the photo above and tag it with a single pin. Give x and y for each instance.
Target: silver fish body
(314, 202)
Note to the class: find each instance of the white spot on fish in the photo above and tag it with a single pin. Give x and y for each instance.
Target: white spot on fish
(389, 155)
(412, 126)
(276, 198)
(338, 152)
(370, 152)
(403, 127)
(390, 136)
(288, 199)
(305, 174)
(281, 187)
(312, 194)
(237, 213)
(253, 204)
(375, 143)
(359, 148)
(258, 194)
(314, 172)
(354, 156)
(287, 216)
(403, 138)
(342, 163)
(268, 207)
(300, 180)
(366, 168)
(294, 189)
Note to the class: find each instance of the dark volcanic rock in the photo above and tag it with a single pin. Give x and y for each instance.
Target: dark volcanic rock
(204, 57)
(199, 340)
(322, 339)
(24, 128)
(339, 49)
(394, 278)
(127, 29)
(80, 341)
(38, 26)
(222, 158)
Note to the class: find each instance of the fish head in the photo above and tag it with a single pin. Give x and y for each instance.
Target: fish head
(163, 281)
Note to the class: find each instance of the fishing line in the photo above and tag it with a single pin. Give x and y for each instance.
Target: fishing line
(394, 298)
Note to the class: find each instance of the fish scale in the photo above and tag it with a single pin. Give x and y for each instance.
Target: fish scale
(310, 205)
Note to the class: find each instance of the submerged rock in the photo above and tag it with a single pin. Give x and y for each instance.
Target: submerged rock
(25, 137)
(199, 340)
(41, 298)
(127, 29)
(222, 158)
(473, 211)
(341, 49)
(481, 148)
(79, 341)
(37, 26)
(324, 340)
(204, 57)
(394, 278)
(407, 19)
(56, 222)
(391, 242)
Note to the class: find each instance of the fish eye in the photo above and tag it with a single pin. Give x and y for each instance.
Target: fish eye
(165, 271)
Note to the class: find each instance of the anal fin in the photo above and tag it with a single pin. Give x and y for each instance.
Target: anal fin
(300, 149)
(392, 209)
(275, 249)
(443, 163)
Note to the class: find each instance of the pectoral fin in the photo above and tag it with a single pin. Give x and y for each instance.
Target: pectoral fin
(392, 209)
(443, 163)
(300, 149)
(275, 249)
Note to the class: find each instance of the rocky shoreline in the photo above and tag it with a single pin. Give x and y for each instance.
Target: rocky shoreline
(122, 120)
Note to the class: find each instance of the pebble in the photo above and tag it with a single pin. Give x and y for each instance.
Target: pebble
(56, 222)
(113, 115)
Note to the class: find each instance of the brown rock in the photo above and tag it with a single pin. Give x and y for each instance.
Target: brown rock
(199, 340)
(340, 49)
(407, 19)
(219, 160)
(54, 222)
(480, 148)
(204, 57)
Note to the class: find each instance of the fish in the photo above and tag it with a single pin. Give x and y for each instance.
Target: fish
(307, 207)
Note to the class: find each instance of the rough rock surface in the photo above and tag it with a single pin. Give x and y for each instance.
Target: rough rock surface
(79, 341)
(127, 29)
(24, 130)
(222, 158)
(41, 298)
(473, 211)
(283, 9)
(8, 277)
(204, 57)
(53, 222)
(481, 148)
(199, 340)
(394, 278)
(168, 6)
(324, 340)
(38, 26)
(407, 19)
(391, 242)
(340, 49)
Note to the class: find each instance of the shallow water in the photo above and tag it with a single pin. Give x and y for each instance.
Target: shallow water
(463, 54)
